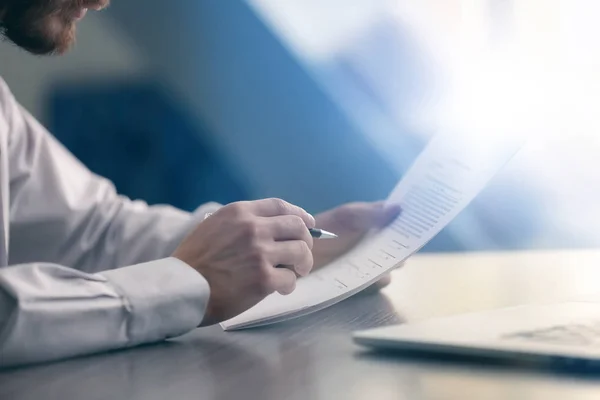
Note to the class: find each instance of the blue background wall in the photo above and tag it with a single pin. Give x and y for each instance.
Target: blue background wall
(268, 117)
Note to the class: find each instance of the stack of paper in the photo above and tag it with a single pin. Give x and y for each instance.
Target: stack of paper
(446, 176)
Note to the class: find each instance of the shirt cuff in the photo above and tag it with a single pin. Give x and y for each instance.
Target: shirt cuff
(163, 298)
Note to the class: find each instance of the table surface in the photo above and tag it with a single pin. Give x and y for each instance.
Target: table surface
(314, 357)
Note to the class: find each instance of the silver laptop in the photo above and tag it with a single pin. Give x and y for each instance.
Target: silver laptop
(562, 333)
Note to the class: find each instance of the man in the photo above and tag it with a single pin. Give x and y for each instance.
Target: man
(86, 270)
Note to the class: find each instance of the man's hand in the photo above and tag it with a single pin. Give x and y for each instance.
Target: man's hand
(240, 251)
(350, 222)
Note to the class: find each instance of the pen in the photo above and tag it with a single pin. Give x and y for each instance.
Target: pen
(322, 234)
(316, 233)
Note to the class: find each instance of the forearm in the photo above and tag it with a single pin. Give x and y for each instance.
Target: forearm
(49, 312)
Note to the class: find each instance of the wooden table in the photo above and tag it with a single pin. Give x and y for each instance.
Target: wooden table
(314, 358)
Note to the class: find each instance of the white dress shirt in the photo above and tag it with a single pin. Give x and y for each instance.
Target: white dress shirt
(83, 269)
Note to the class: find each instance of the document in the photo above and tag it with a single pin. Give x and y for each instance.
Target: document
(446, 176)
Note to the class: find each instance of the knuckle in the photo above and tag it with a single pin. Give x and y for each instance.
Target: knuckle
(308, 239)
(234, 209)
(307, 218)
(306, 263)
(310, 261)
(250, 228)
(279, 206)
(297, 223)
(300, 231)
(302, 256)
(309, 256)
(257, 256)
(303, 248)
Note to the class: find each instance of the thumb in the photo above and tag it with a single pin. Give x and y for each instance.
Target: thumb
(387, 214)
(364, 216)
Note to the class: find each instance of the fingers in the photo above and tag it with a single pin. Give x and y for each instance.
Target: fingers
(277, 207)
(388, 215)
(294, 258)
(289, 227)
(364, 216)
(283, 280)
(295, 255)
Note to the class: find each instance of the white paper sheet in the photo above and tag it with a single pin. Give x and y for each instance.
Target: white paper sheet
(446, 176)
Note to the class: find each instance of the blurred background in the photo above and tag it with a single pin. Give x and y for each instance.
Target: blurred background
(321, 102)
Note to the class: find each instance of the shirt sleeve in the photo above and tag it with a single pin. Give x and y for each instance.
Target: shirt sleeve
(90, 269)
(61, 212)
(50, 312)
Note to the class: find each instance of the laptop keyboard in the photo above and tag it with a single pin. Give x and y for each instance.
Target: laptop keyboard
(581, 334)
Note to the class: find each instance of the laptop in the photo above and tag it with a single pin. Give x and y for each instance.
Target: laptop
(564, 333)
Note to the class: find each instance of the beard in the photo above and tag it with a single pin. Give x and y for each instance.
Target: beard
(42, 26)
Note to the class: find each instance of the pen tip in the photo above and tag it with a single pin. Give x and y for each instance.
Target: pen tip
(328, 235)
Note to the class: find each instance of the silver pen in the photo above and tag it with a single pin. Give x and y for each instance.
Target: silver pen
(315, 233)
(322, 234)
